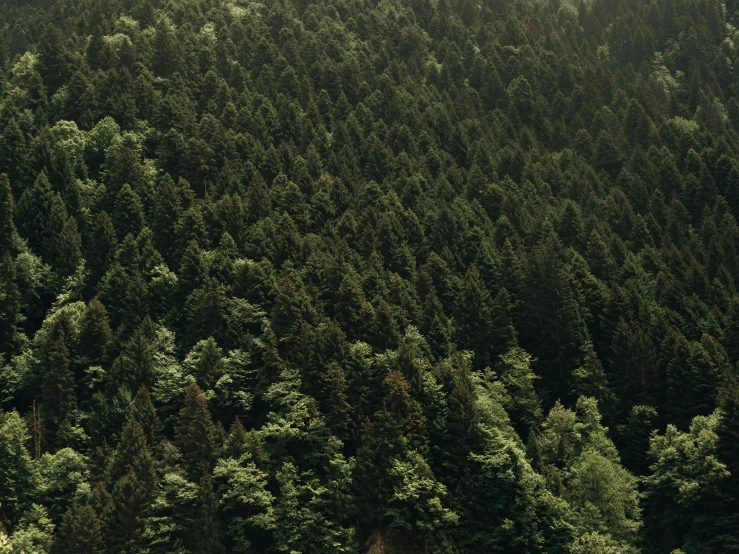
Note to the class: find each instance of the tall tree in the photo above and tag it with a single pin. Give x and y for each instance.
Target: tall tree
(196, 435)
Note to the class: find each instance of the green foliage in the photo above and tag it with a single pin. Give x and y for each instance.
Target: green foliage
(382, 243)
(80, 531)
(245, 500)
(18, 473)
(686, 484)
(195, 434)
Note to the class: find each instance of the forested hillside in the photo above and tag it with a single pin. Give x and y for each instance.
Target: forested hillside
(384, 276)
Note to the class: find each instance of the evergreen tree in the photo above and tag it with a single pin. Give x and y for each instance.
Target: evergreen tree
(476, 311)
(80, 531)
(129, 508)
(102, 246)
(205, 533)
(96, 335)
(10, 303)
(195, 434)
(128, 214)
(7, 216)
(60, 399)
(18, 473)
(33, 213)
(144, 413)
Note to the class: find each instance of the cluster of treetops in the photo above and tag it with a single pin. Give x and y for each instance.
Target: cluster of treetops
(322, 276)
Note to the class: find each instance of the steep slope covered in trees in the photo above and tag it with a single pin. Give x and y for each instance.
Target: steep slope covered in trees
(325, 276)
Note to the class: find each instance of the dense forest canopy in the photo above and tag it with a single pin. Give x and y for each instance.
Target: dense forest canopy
(379, 276)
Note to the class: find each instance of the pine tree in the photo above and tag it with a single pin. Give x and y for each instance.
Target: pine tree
(335, 403)
(102, 246)
(167, 56)
(60, 400)
(633, 438)
(33, 212)
(691, 383)
(130, 506)
(8, 232)
(503, 335)
(606, 154)
(80, 532)
(144, 413)
(727, 451)
(18, 473)
(590, 379)
(54, 59)
(206, 363)
(133, 455)
(128, 215)
(731, 342)
(166, 213)
(195, 434)
(95, 334)
(516, 374)
(10, 303)
(135, 366)
(552, 328)
(475, 313)
(136, 303)
(205, 533)
(68, 249)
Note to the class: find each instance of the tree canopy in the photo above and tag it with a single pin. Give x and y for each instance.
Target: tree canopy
(388, 277)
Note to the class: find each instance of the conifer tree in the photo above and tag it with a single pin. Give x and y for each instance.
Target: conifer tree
(503, 335)
(18, 473)
(102, 246)
(196, 435)
(33, 212)
(10, 303)
(130, 504)
(144, 413)
(7, 216)
(60, 399)
(128, 214)
(205, 534)
(96, 335)
(133, 455)
(80, 532)
(476, 312)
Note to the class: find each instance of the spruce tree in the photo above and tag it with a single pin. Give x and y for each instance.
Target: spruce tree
(10, 303)
(96, 335)
(101, 247)
(60, 399)
(205, 534)
(196, 435)
(128, 214)
(33, 213)
(80, 532)
(130, 507)
(144, 413)
(7, 216)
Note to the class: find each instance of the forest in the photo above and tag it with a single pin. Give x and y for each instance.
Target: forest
(369, 276)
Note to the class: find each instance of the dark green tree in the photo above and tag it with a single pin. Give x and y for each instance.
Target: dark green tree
(196, 435)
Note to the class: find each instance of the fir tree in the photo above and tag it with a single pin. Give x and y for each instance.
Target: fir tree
(10, 303)
(60, 399)
(195, 434)
(80, 532)
(7, 216)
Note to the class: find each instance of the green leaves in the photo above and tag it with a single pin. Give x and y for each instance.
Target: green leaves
(687, 483)
(245, 500)
(18, 473)
(382, 242)
(417, 499)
